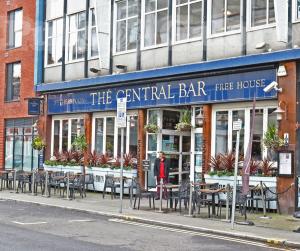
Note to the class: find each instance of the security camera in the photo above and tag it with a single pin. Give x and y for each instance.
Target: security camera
(273, 85)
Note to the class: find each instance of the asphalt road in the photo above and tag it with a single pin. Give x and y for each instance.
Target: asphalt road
(32, 227)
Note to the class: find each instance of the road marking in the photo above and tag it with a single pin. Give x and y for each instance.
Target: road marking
(30, 223)
(81, 220)
(252, 243)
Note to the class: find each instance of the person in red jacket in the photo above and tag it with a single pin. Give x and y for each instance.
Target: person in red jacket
(161, 170)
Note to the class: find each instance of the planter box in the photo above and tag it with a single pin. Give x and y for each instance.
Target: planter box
(223, 181)
(99, 175)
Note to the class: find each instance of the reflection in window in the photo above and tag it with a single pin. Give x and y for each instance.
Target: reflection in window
(188, 19)
(133, 134)
(153, 117)
(99, 135)
(152, 142)
(262, 12)
(54, 40)
(15, 23)
(13, 80)
(156, 22)
(170, 119)
(93, 35)
(110, 130)
(257, 134)
(56, 136)
(235, 116)
(170, 143)
(65, 125)
(127, 25)
(186, 143)
(221, 132)
(225, 16)
(198, 142)
(76, 36)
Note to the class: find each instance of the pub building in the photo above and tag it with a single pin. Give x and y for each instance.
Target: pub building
(163, 83)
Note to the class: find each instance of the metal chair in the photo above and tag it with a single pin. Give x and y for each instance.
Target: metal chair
(142, 193)
(110, 183)
(89, 180)
(183, 194)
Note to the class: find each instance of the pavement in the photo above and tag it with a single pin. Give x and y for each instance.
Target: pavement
(108, 207)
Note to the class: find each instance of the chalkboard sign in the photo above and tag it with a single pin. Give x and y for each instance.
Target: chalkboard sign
(286, 163)
(146, 164)
(41, 161)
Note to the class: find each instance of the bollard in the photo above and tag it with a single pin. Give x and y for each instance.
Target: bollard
(15, 181)
(33, 182)
(46, 184)
(131, 192)
(227, 201)
(68, 185)
(160, 194)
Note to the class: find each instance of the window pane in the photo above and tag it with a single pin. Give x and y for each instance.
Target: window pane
(18, 20)
(121, 10)
(99, 135)
(110, 130)
(81, 44)
(59, 27)
(162, 27)
(271, 11)
(181, 1)
(258, 12)
(27, 156)
(217, 22)
(17, 164)
(121, 35)
(18, 38)
(257, 134)
(50, 55)
(65, 130)
(93, 17)
(186, 143)
(170, 143)
(170, 119)
(132, 33)
(161, 4)
(72, 46)
(56, 136)
(94, 43)
(233, 15)
(198, 162)
(152, 142)
(16, 81)
(73, 130)
(182, 22)
(132, 8)
(195, 19)
(149, 5)
(58, 49)
(81, 20)
(133, 134)
(235, 116)
(72, 23)
(119, 142)
(153, 115)
(149, 30)
(198, 142)
(221, 132)
(9, 148)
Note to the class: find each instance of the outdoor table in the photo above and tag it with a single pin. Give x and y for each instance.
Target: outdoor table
(213, 193)
(4, 173)
(170, 187)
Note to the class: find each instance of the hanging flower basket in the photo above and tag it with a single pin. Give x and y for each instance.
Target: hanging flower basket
(183, 127)
(151, 128)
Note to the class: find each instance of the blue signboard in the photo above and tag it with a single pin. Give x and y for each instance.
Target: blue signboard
(34, 106)
(213, 89)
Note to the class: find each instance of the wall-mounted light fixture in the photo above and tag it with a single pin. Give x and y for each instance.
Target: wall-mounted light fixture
(281, 110)
(95, 70)
(199, 118)
(281, 72)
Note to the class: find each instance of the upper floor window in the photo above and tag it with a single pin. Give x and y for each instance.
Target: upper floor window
(296, 5)
(93, 50)
(76, 36)
(188, 19)
(126, 25)
(262, 12)
(13, 79)
(225, 16)
(15, 20)
(54, 31)
(155, 22)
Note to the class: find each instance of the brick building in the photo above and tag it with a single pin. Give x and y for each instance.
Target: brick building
(16, 80)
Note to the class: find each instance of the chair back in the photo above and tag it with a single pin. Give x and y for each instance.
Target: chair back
(109, 180)
(89, 178)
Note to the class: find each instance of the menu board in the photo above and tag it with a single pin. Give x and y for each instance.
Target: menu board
(285, 167)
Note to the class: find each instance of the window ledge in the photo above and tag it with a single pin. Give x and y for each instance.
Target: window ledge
(124, 52)
(186, 41)
(12, 101)
(13, 48)
(52, 65)
(224, 34)
(152, 47)
(261, 27)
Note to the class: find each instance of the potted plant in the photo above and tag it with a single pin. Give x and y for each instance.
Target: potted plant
(80, 144)
(185, 122)
(38, 143)
(151, 128)
(272, 141)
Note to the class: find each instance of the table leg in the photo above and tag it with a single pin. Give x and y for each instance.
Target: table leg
(213, 205)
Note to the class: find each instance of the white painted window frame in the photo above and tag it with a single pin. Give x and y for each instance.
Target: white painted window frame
(209, 22)
(91, 27)
(295, 12)
(247, 107)
(143, 15)
(46, 42)
(249, 19)
(174, 23)
(106, 115)
(61, 118)
(115, 28)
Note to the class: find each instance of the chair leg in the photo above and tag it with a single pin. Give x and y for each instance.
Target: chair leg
(153, 202)
(149, 201)
(139, 203)
(134, 202)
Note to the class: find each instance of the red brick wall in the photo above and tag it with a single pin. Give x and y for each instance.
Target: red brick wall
(25, 54)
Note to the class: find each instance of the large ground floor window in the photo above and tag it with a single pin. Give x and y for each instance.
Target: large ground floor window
(106, 137)
(19, 153)
(223, 138)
